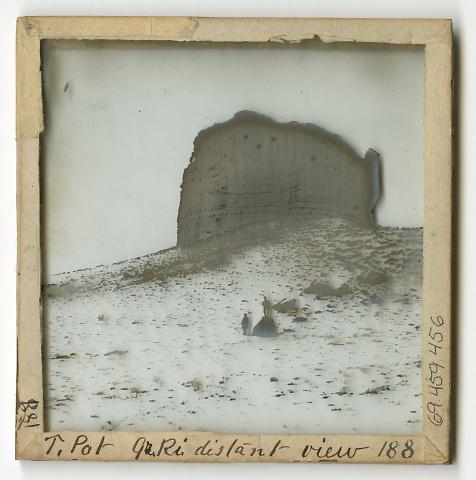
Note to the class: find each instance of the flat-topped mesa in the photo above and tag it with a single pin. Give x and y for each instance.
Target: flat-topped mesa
(251, 170)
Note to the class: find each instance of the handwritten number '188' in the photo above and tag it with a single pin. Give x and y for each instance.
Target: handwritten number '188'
(390, 449)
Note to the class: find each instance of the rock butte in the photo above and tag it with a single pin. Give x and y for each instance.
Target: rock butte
(251, 171)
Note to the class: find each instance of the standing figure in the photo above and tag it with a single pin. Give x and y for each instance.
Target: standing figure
(246, 325)
(267, 307)
(266, 327)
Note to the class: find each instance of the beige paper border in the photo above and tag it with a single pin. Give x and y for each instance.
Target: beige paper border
(433, 446)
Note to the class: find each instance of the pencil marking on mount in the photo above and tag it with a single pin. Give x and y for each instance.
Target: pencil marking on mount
(27, 414)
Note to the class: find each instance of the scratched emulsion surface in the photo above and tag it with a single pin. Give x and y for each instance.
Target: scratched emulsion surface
(283, 309)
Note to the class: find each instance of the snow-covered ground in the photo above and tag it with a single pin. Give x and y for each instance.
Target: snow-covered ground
(156, 343)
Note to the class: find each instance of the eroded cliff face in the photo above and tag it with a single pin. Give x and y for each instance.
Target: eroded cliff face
(254, 171)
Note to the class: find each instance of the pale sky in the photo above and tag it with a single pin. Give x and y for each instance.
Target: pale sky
(120, 125)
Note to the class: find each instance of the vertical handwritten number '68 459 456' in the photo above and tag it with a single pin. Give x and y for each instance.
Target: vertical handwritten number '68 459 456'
(436, 371)
(27, 417)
